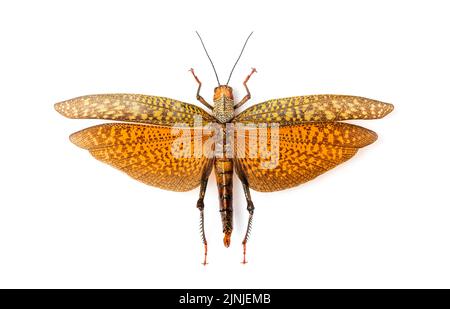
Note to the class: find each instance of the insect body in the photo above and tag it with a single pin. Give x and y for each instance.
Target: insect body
(310, 140)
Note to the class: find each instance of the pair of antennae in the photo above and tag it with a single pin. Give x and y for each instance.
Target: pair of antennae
(231, 73)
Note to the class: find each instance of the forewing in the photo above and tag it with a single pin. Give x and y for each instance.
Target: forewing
(133, 108)
(296, 110)
(151, 154)
(304, 152)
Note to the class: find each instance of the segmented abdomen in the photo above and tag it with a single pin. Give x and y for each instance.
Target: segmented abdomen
(223, 168)
(224, 175)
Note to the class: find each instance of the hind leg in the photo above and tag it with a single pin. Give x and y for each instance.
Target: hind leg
(250, 209)
(201, 206)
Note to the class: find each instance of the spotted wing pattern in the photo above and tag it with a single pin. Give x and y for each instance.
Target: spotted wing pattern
(133, 108)
(295, 110)
(147, 153)
(304, 152)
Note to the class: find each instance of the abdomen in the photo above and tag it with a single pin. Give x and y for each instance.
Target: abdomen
(223, 168)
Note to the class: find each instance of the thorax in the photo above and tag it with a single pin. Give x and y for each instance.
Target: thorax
(223, 109)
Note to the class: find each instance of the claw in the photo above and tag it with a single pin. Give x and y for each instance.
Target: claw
(196, 78)
(245, 251)
(206, 253)
(248, 77)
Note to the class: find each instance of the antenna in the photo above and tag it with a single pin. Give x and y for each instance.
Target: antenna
(239, 57)
(217, 77)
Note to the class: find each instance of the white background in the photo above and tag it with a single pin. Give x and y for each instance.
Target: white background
(379, 220)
